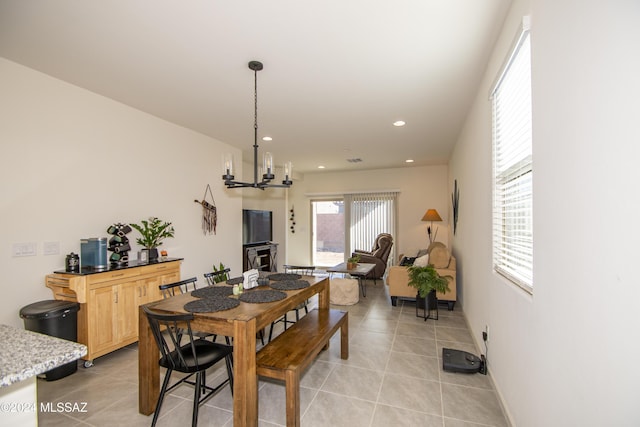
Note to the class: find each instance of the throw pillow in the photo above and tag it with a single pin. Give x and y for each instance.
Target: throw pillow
(422, 261)
(422, 252)
(439, 255)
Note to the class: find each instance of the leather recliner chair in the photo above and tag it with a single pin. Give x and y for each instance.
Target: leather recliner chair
(378, 255)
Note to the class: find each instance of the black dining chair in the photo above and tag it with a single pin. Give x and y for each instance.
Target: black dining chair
(304, 270)
(177, 288)
(193, 357)
(182, 287)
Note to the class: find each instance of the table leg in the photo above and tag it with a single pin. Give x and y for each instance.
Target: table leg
(361, 283)
(344, 339)
(148, 368)
(324, 295)
(245, 378)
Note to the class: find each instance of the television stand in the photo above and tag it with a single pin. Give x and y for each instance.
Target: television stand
(262, 257)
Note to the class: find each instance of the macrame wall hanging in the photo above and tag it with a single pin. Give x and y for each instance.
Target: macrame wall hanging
(209, 213)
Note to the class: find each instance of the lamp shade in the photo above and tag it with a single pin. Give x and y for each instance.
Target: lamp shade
(431, 215)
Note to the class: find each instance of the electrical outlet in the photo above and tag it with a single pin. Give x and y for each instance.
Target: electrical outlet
(51, 248)
(485, 334)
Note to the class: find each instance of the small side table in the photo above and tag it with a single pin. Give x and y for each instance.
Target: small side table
(360, 272)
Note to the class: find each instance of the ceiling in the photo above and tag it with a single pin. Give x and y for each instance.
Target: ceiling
(336, 74)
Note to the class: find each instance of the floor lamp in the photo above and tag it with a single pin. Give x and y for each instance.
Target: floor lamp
(431, 215)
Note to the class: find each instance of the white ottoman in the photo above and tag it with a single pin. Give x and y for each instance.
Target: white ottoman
(344, 291)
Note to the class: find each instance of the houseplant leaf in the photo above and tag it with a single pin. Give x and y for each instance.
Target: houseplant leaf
(153, 232)
(427, 279)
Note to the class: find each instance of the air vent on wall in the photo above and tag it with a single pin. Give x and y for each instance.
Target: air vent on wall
(356, 160)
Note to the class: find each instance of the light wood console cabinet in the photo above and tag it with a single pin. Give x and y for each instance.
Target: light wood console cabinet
(109, 300)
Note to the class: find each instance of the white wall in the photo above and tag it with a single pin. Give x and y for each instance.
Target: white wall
(421, 188)
(564, 355)
(74, 163)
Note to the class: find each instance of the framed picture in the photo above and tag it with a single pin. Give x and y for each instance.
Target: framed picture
(143, 256)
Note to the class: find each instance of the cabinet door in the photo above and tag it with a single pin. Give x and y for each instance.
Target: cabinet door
(152, 285)
(127, 301)
(103, 330)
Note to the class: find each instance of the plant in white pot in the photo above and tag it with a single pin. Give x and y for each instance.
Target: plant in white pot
(427, 281)
(153, 232)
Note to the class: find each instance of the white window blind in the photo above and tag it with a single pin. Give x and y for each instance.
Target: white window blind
(370, 214)
(513, 169)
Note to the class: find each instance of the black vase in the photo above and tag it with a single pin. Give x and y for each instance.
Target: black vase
(153, 254)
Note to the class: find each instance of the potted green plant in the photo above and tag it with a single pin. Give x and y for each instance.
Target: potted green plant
(427, 281)
(153, 232)
(353, 261)
(222, 277)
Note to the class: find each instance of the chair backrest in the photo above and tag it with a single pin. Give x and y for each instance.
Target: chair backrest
(382, 246)
(305, 270)
(176, 288)
(217, 276)
(168, 330)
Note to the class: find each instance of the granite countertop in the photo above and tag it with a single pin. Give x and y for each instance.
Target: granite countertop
(24, 354)
(114, 267)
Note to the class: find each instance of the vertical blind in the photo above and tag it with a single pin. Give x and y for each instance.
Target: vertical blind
(513, 169)
(370, 214)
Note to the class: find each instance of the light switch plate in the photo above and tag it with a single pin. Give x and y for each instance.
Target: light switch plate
(24, 249)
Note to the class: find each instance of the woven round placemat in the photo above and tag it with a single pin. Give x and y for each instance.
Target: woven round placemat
(258, 296)
(289, 285)
(278, 277)
(209, 305)
(235, 281)
(213, 292)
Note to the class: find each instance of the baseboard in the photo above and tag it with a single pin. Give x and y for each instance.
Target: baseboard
(501, 400)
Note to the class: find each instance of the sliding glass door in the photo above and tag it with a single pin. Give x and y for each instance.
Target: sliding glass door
(348, 222)
(328, 237)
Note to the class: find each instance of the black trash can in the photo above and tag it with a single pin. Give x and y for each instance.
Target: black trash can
(57, 319)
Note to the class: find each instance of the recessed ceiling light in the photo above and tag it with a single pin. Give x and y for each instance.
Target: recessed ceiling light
(320, 167)
(399, 123)
(409, 161)
(267, 138)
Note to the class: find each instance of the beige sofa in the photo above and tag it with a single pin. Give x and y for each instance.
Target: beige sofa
(444, 263)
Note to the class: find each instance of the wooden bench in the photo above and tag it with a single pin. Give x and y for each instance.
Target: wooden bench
(290, 353)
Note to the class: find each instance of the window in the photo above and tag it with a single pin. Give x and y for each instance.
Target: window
(513, 169)
(370, 214)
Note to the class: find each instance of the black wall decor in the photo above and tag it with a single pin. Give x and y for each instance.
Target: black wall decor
(293, 220)
(119, 243)
(455, 196)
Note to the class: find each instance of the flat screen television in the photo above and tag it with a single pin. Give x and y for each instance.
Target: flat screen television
(257, 227)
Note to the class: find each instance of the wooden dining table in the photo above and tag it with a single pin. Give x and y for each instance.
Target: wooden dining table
(241, 323)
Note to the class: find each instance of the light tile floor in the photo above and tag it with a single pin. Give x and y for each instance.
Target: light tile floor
(393, 377)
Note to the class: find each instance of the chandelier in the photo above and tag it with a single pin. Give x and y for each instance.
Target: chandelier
(267, 160)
